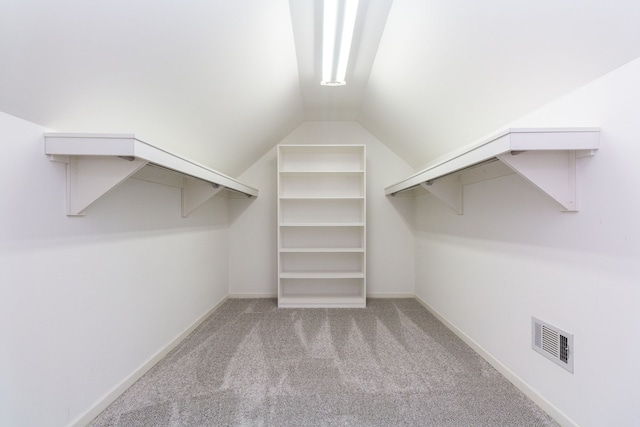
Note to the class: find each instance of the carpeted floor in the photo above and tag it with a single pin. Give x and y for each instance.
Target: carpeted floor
(390, 364)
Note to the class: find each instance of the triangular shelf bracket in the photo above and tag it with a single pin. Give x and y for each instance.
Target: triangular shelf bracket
(195, 192)
(553, 172)
(448, 190)
(90, 177)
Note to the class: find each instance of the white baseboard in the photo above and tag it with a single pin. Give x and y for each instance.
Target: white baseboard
(390, 295)
(111, 396)
(246, 295)
(553, 411)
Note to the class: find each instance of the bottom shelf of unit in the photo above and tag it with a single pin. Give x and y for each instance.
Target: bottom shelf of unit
(325, 301)
(322, 292)
(322, 275)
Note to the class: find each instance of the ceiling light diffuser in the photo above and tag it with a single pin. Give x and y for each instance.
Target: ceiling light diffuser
(339, 21)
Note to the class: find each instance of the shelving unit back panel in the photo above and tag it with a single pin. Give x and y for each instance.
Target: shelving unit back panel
(321, 185)
(322, 237)
(335, 262)
(321, 287)
(321, 211)
(321, 158)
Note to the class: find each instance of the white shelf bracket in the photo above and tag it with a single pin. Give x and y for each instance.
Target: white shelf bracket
(195, 192)
(448, 190)
(553, 172)
(91, 177)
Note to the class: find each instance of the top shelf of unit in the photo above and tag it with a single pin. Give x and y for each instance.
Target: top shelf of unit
(545, 157)
(321, 159)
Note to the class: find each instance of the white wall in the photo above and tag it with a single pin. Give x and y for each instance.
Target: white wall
(85, 301)
(390, 238)
(513, 255)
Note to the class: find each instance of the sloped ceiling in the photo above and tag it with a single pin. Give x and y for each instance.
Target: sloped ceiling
(213, 80)
(450, 71)
(222, 81)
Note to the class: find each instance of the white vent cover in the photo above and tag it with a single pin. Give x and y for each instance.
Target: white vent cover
(553, 343)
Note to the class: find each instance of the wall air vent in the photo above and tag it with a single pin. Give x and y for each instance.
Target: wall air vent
(553, 343)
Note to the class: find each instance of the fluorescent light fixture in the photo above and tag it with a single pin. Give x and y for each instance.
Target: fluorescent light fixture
(338, 24)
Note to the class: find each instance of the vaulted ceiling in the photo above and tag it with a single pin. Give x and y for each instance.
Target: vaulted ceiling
(222, 81)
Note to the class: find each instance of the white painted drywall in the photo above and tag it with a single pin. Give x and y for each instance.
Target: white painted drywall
(85, 301)
(513, 255)
(390, 237)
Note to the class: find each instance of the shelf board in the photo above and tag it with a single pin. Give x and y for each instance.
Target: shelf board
(97, 163)
(321, 301)
(322, 148)
(322, 250)
(323, 198)
(322, 275)
(545, 157)
(322, 224)
(322, 172)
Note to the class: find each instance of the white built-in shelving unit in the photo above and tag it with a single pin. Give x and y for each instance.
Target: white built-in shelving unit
(97, 163)
(321, 226)
(545, 157)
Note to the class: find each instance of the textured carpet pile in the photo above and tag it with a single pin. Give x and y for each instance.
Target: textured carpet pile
(390, 364)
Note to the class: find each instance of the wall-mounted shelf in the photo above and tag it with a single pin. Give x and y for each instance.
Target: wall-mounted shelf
(97, 163)
(545, 157)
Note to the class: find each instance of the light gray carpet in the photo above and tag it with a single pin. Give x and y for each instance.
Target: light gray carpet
(390, 364)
